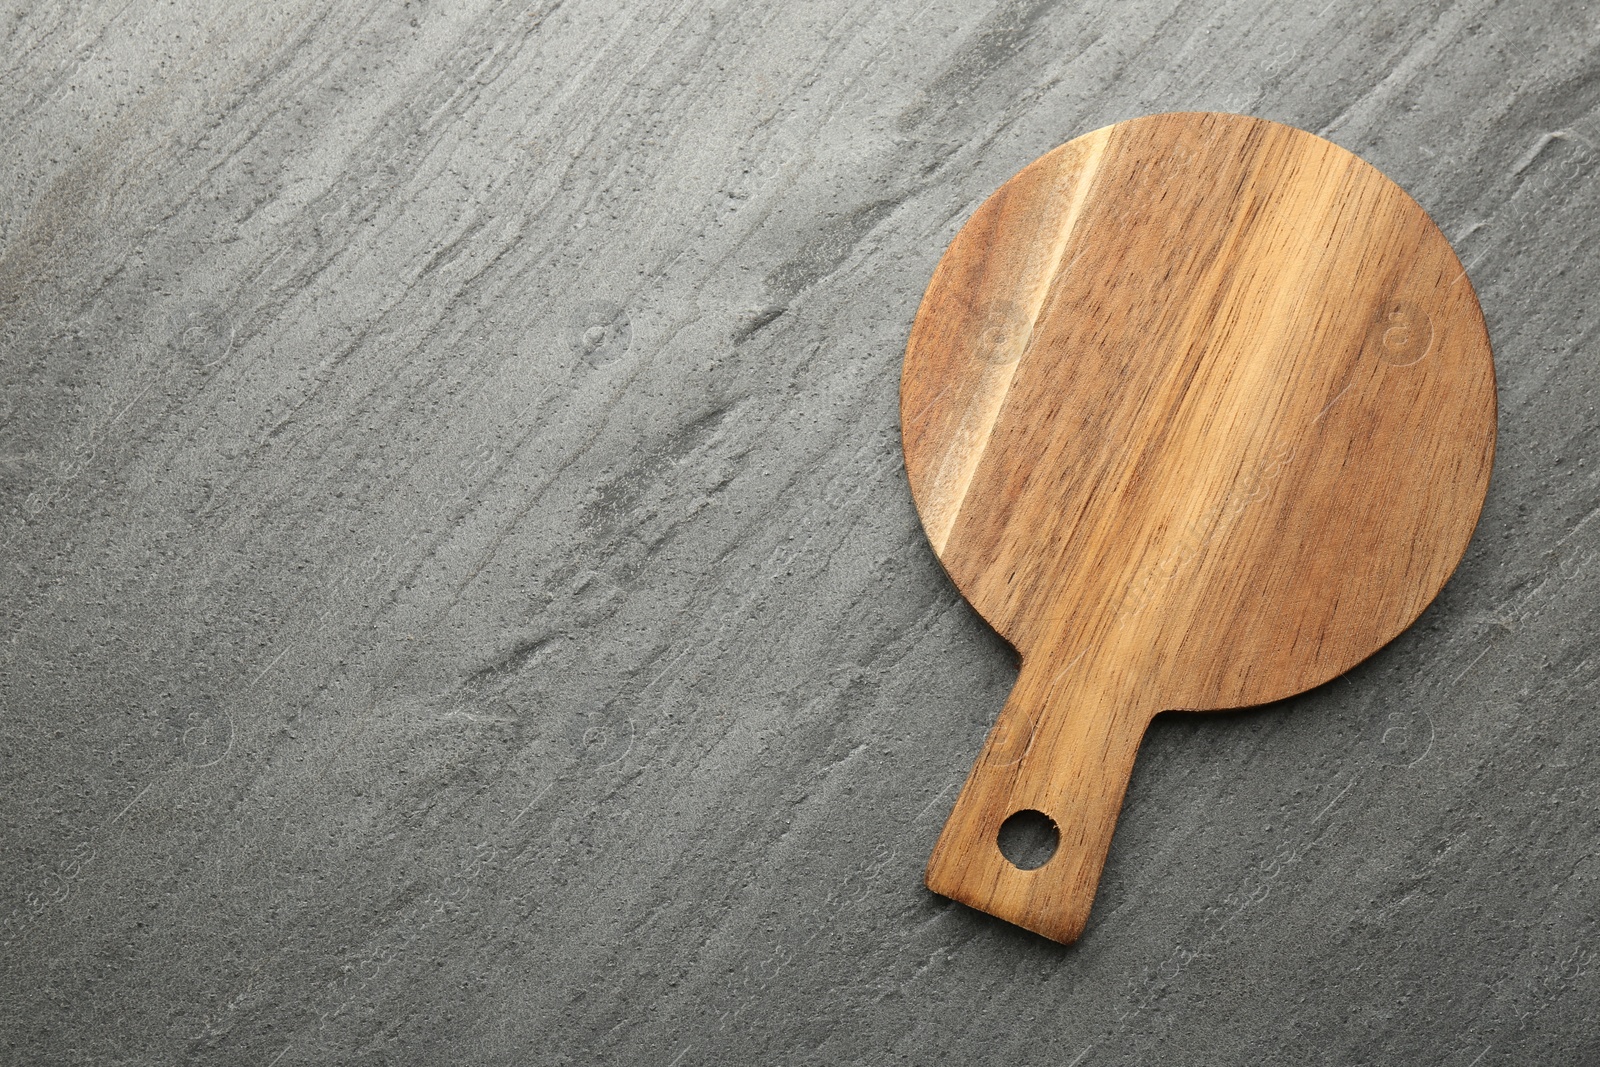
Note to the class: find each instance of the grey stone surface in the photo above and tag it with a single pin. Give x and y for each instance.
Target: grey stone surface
(462, 602)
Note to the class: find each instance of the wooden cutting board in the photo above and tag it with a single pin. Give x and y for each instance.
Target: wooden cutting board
(1198, 413)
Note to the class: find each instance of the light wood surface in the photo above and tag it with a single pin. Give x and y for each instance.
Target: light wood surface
(1198, 412)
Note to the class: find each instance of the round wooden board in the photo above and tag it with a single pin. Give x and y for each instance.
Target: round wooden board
(1198, 412)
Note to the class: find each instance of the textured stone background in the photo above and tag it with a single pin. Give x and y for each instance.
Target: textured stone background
(462, 602)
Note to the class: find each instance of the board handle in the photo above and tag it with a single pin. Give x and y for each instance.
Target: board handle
(1064, 745)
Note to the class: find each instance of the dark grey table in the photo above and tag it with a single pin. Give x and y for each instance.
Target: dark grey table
(463, 603)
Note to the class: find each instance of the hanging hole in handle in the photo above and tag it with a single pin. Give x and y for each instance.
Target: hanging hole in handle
(1028, 839)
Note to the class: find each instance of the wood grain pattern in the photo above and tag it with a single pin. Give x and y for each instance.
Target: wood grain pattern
(1198, 412)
